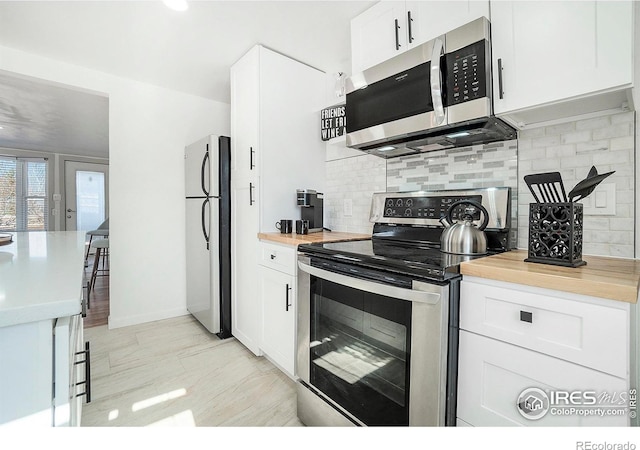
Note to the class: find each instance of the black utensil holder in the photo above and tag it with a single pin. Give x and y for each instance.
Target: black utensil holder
(555, 234)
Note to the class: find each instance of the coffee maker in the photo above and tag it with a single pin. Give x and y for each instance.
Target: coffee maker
(311, 203)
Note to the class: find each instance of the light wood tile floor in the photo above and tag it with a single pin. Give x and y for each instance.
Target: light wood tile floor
(175, 373)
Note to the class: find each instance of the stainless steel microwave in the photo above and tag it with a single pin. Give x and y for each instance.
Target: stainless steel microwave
(437, 95)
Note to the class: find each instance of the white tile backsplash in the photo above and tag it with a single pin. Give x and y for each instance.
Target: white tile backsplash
(353, 178)
(572, 148)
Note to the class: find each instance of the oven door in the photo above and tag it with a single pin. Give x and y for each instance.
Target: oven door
(376, 353)
(396, 98)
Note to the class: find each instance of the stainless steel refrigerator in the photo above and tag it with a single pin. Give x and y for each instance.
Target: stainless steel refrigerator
(208, 232)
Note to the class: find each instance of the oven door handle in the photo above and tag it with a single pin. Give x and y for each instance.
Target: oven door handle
(428, 293)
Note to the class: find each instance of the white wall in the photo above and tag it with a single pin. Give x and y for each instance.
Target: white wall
(148, 130)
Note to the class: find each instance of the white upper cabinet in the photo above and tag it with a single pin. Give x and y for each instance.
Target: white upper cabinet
(559, 52)
(432, 19)
(391, 27)
(377, 34)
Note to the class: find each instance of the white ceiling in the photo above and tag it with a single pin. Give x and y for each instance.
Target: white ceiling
(187, 51)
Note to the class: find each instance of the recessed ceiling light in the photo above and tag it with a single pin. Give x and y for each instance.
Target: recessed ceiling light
(387, 148)
(176, 5)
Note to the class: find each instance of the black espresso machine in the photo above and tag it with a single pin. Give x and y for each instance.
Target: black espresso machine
(311, 206)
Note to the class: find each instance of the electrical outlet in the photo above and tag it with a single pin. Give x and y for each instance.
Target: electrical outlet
(601, 202)
(347, 207)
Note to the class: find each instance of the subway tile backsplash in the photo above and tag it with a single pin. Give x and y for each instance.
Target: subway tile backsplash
(350, 183)
(571, 148)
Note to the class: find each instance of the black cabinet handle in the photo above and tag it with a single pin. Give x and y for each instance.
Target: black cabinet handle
(85, 300)
(273, 256)
(250, 194)
(87, 372)
(409, 20)
(526, 316)
(204, 222)
(251, 164)
(397, 36)
(500, 90)
(202, 172)
(286, 302)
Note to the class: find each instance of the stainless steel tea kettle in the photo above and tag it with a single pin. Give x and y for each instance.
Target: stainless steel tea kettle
(463, 237)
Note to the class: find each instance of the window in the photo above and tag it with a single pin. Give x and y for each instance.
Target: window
(24, 202)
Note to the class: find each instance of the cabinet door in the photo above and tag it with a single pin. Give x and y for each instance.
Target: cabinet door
(427, 20)
(245, 300)
(278, 291)
(378, 34)
(245, 75)
(563, 50)
(26, 374)
(493, 374)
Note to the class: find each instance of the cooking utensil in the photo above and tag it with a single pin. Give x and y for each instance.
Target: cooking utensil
(587, 186)
(464, 238)
(546, 186)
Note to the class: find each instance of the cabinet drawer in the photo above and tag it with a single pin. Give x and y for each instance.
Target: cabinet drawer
(493, 374)
(279, 257)
(593, 335)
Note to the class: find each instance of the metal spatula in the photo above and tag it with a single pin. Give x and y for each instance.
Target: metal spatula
(546, 187)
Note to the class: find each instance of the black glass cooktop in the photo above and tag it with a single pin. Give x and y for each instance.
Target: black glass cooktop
(411, 258)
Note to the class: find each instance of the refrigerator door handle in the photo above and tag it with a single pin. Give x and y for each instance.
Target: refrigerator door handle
(204, 223)
(202, 172)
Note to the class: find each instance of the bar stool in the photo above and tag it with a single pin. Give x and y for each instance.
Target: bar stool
(101, 247)
(102, 231)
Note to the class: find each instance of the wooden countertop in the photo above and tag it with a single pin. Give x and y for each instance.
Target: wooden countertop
(612, 278)
(311, 238)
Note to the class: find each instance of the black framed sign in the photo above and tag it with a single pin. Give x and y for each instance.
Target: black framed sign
(333, 122)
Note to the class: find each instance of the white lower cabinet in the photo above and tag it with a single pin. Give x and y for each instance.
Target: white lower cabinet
(492, 375)
(573, 349)
(42, 373)
(277, 290)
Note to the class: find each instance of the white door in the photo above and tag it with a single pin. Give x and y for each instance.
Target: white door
(86, 195)
(278, 316)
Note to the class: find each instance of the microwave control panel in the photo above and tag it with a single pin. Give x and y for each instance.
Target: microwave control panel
(428, 207)
(467, 74)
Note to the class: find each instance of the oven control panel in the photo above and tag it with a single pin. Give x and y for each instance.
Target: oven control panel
(427, 207)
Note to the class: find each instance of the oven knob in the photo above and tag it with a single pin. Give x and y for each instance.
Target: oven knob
(389, 202)
(389, 212)
(399, 203)
(409, 203)
(407, 212)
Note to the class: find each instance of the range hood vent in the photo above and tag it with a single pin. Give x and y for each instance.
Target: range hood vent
(465, 134)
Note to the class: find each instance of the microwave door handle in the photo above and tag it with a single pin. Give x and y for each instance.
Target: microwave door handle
(436, 81)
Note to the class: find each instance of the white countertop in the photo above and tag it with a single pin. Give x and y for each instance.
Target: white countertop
(41, 276)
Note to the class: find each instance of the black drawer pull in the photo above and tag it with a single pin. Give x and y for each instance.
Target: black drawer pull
(87, 372)
(526, 316)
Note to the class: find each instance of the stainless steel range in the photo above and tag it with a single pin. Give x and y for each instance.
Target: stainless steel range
(378, 319)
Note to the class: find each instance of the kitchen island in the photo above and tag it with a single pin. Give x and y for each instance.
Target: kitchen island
(41, 343)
